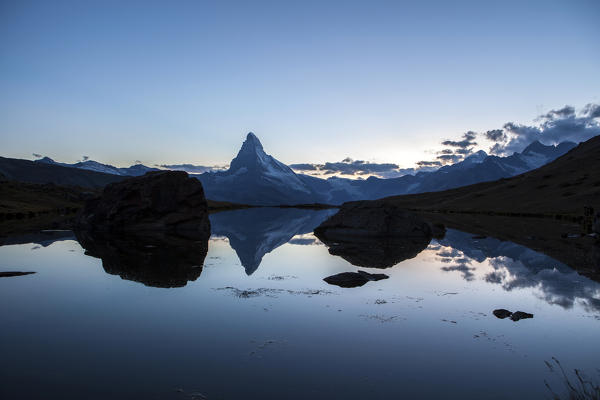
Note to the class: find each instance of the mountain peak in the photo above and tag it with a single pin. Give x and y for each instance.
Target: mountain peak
(251, 144)
(537, 146)
(251, 154)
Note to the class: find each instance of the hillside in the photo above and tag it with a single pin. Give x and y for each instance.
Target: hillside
(563, 186)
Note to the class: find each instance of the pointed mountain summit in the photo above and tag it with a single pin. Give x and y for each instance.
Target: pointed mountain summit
(254, 177)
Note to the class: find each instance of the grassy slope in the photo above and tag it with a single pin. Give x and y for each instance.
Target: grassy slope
(564, 186)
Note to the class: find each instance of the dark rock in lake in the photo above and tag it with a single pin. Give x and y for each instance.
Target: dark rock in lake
(520, 315)
(353, 279)
(9, 274)
(158, 201)
(157, 260)
(375, 236)
(373, 219)
(502, 313)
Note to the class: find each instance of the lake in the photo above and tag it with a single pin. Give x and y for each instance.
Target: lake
(249, 316)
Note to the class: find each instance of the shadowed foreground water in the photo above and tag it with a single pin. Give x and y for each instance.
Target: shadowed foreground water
(256, 320)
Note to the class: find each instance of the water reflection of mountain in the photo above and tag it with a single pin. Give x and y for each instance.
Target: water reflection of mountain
(516, 267)
(157, 260)
(42, 238)
(254, 232)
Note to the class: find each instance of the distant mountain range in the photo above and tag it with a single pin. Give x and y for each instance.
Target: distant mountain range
(256, 178)
(90, 165)
(39, 172)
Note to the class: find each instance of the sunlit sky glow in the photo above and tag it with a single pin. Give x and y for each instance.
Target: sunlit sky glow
(183, 82)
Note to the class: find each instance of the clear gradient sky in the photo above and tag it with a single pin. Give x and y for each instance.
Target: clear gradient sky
(176, 81)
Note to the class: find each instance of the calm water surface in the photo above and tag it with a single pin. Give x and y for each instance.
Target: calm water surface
(258, 321)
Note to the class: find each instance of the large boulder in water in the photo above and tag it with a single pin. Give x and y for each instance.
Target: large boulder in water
(166, 201)
(374, 219)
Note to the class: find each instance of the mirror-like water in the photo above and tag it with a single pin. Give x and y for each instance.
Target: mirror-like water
(251, 317)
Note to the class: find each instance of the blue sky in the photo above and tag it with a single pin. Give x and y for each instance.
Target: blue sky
(173, 82)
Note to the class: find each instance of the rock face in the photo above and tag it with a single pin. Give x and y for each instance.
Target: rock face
(353, 279)
(157, 260)
(167, 201)
(375, 235)
(373, 219)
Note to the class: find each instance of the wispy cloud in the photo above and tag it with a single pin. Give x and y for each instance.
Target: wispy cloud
(353, 168)
(193, 169)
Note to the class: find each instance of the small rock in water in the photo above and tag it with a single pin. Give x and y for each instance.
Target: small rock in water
(353, 279)
(9, 274)
(520, 315)
(502, 313)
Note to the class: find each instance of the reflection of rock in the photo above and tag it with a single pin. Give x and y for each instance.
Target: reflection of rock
(502, 313)
(254, 232)
(158, 260)
(353, 279)
(165, 201)
(376, 252)
(374, 236)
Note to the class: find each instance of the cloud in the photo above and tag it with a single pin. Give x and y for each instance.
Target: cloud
(495, 135)
(468, 141)
(592, 110)
(564, 112)
(304, 167)
(457, 150)
(554, 127)
(192, 169)
(351, 167)
(429, 163)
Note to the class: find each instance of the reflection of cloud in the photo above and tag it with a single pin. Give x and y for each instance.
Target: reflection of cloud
(517, 267)
(556, 287)
(461, 263)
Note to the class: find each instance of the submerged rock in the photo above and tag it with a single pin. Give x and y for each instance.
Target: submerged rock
(374, 235)
(157, 201)
(353, 279)
(157, 260)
